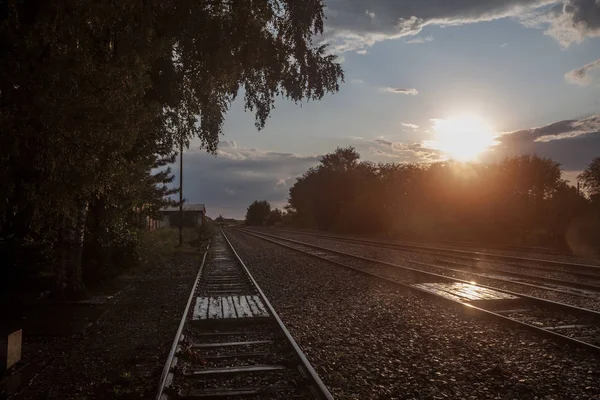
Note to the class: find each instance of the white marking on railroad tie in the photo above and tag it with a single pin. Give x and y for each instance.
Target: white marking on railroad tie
(215, 310)
(241, 307)
(257, 306)
(229, 307)
(201, 308)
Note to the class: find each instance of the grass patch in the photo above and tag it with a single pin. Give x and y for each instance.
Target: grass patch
(161, 244)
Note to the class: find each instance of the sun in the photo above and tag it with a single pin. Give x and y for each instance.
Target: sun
(463, 138)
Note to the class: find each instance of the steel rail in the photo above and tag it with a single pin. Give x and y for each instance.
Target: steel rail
(556, 336)
(482, 270)
(321, 390)
(430, 249)
(165, 373)
(559, 282)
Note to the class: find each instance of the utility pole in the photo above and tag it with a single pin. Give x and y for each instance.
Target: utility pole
(181, 191)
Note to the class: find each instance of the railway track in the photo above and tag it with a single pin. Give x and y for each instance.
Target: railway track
(474, 247)
(578, 284)
(564, 323)
(586, 271)
(230, 343)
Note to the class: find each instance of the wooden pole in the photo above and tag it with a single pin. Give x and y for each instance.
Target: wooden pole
(181, 192)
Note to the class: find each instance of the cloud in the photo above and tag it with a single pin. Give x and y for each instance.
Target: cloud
(354, 25)
(573, 143)
(362, 52)
(228, 182)
(504, 45)
(568, 21)
(420, 39)
(357, 81)
(582, 76)
(408, 91)
(411, 126)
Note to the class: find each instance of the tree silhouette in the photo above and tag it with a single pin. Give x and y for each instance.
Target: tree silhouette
(590, 180)
(258, 212)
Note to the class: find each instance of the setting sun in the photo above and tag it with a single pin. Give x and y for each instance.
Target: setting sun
(463, 138)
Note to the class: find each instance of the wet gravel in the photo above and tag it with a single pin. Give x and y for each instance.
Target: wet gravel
(404, 258)
(369, 340)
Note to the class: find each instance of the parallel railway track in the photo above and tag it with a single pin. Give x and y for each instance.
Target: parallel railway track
(569, 324)
(465, 254)
(231, 344)
(585, 271)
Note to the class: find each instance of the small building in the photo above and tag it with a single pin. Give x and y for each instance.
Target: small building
(194, 216)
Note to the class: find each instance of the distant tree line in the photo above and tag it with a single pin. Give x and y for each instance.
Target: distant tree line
(518, 200)
(95, 96)
(259, 213)
(225, 221)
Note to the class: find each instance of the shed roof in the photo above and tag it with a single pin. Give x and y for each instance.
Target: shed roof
(187, 207)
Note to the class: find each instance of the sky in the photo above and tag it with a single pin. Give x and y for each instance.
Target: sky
(425, 81)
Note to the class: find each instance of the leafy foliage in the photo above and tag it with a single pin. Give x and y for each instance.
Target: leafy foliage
(520, 199)
(258, 212)
(590, 179)
(94, 96)
(275, 217)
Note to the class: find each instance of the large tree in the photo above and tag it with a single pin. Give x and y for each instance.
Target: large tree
(91, 91)
(258, 212)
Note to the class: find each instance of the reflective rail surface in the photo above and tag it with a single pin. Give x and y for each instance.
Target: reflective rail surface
(231, 343)
(562, 322)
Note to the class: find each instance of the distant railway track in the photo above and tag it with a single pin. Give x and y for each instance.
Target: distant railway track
(483, 247)
(231, 343)
(561, 322)
(578, 269)
(584, 289)
(507, 247)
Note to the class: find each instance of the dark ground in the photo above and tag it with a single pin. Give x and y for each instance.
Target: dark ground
(113, 346)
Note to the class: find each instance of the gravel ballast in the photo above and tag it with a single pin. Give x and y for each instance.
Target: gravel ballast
(121, 356)
(369, 340)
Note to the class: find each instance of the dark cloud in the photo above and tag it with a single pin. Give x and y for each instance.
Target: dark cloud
(582, 76)
(384, 142)
(351, 25)
(228, 182)
(573, 143)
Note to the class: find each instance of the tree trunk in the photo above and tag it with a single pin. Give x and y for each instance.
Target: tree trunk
(71, 249)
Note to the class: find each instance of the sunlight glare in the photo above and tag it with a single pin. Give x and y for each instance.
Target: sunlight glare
(463, 138)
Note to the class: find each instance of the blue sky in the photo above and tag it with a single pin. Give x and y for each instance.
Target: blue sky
(515, 65)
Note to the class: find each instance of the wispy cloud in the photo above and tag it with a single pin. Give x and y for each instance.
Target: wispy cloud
(582, 76)
(504, 45)
(361, 52)
(420, 39)
(357, 81)
(411, 126)
(408, 91)
(349, 27)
